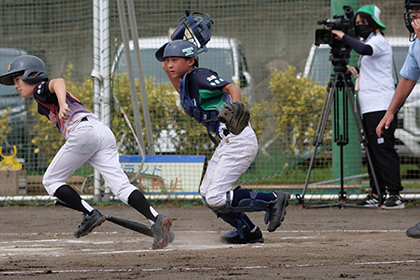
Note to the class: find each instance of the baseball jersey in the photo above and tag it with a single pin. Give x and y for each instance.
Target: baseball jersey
(376, 84)
(48, 106)
(411, 70)
(208, 85)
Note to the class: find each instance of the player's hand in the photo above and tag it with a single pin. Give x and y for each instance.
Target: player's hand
(384, 123)
(415, 23)
(64, 112)
(338, 34)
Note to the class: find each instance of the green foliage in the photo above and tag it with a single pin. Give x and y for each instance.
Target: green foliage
(295, 104)
(5, 127)
(166, 114)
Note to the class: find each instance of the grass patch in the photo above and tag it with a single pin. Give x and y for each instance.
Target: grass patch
(298, 174)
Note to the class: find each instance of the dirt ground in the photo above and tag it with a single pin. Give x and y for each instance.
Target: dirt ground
(328, 243)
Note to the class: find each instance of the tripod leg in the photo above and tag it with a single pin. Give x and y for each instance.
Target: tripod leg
(299, 197)
(341, 135)
(318, 138)
(362, 138)
(339, 82)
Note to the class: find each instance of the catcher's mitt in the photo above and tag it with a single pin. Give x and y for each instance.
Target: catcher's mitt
(235, 116)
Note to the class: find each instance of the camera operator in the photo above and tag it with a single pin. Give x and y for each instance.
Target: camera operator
(375, 86)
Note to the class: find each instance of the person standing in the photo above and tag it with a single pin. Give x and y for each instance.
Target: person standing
(375, 90)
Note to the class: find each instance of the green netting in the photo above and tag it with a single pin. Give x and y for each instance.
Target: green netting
(265, 47)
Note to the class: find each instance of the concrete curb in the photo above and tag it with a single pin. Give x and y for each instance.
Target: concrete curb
(161, 197)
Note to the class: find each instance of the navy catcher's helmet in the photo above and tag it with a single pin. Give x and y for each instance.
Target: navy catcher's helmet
(408, 5)
(179, 48)
(25, 65)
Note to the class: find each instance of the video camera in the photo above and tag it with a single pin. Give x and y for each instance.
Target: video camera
(338, 22)
(340, 51)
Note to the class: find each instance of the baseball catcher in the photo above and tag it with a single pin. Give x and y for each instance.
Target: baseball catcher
(216, 104)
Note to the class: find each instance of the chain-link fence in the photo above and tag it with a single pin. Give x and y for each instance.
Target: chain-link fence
(265, 47)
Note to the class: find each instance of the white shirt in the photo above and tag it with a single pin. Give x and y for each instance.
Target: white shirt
(376, 84)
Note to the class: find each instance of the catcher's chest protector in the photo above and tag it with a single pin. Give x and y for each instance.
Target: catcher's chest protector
(190, 102)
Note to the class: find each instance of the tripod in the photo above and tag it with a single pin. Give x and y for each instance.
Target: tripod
(340, 82)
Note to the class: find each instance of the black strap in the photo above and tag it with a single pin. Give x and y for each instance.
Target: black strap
(398, 80)
(395, 70)
(212, 138)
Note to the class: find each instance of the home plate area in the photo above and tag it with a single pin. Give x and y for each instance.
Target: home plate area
(326, 243)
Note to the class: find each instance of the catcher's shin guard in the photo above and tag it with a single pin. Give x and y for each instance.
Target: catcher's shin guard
(237, 220)
(251, 204)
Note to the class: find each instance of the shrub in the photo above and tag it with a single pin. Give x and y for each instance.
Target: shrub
(295, 105)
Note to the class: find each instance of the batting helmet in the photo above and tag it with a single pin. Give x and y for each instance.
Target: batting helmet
(25, 65)
(179, 48)
(408, 5)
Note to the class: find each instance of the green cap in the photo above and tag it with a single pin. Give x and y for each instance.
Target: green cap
(374, 12)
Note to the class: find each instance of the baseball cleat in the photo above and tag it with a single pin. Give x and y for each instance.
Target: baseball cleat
(171, 237)
(232, 237)
(89, 223)
(161, 232)
(278, 210)
(414, 231)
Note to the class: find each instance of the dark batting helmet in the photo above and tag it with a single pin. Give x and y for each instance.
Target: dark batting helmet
(408, 5)
(178, 48)
(26, 65)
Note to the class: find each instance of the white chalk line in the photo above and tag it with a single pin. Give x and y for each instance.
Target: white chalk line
(37, 248)
(217, 232)
(57, 246)
(201, 268)
(356, 263)
(13, 247)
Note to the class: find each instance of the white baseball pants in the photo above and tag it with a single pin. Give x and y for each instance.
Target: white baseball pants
(91, 141)
(230, 160)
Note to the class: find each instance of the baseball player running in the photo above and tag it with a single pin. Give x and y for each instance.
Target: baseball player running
(87, 139)
(236, 150)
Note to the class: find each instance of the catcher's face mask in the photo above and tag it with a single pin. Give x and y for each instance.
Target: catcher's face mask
(412, 12)
(195, 28)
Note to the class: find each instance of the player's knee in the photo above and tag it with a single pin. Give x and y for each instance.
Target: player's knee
(216, 201)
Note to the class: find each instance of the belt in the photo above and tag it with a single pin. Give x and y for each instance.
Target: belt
(225, 132)
(84, 119)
